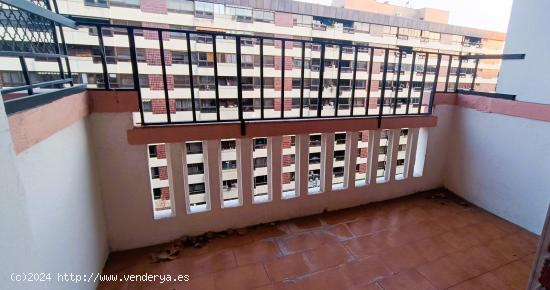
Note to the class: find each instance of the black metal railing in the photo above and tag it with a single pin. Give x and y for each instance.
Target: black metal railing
(33, 29)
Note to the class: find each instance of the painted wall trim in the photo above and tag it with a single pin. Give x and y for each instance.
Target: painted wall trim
(32, 126)
(192, 132)
(527, 110)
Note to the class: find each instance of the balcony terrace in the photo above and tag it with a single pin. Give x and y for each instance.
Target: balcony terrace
(417, 186)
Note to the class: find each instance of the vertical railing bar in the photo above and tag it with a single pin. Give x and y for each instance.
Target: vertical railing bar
(434, 86)
(164, 78)
(216, 82)
(25, 71)
(191, 83)
(103, 60)
(369, 82)
(302, 80)
(474, 76)
(411, 80)
(354, 79)
(65, 50)
(53, 26)
(262, 116)
(338, 76)
(321, 76)
(427, 55)
(383, 92)
(458, 72)
(135, 73)
(239, 83)
(397, 85)
(283, 43)
(448, 72)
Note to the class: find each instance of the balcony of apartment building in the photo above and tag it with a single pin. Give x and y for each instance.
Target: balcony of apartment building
(291, 164)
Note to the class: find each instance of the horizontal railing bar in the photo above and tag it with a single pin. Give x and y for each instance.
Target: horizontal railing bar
(37, 85)
(495, 56)
(7, 53)
(488, 94)
(42, 12)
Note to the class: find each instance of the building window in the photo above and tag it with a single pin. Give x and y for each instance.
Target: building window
(204, 10)
(147, 107)
(197, 168)
(183, 105)
(152, 151)
(229, 145)
(240, 14)
(193, 147)
(180, 6)
(155, 172)
(196, 188)
(263, 16)
(97, 3)
(260, 180)
(260, 162)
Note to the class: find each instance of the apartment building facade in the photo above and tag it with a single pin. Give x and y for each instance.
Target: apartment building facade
(352, 75)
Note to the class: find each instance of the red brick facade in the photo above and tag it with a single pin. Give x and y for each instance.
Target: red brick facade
(161, 151)
(362, 168)
(364, 152)
(286, 178)
(284, 19)
(154, 6)
(155, 82)
(152, 56)
(289, 63)
(163, 172)
(153, 34)
(287, 141)
(373, 102)
(164, 193)
(278, 85)
(158, 106)
(287, 160)
(365, 136)
(277, 104)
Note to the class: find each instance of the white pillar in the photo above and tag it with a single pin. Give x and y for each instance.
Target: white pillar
(410, 155)
(393, 146)
(351, 159)
(372, 158)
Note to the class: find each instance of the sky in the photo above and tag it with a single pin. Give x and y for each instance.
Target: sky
(482, 14)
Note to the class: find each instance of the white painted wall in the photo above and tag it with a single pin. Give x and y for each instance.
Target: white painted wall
(501, 164)
(50, 216)
(527, 33)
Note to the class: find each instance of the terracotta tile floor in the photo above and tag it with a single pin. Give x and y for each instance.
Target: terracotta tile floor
(416, 242)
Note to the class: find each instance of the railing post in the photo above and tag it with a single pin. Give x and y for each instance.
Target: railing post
(372, 156)
(216, 82)
(321, 76)
(283, 44)
(164, 79)
(427, 56)
(25, 71)
(135, 72)
(369, 81)
(472, 86)
(327, 159)
(302, 79)
(190, 68)
(458, 72)
(354, 79)
(262, 116)
(383, 92)
(398, 84)
(239, 84)
(338, 81)
(391, 166)
(434, 86)
(351, 159)
(448, 72)
(106, 81)
(411, 80)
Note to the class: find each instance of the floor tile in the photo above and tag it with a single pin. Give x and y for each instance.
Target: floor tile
(410, 280)
(327, 256)
(365, 271)
(245, 277)
(290, 266)
(306, 241)
(256, 252)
